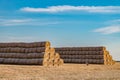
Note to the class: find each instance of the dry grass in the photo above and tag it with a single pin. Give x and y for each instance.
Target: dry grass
(65, 72)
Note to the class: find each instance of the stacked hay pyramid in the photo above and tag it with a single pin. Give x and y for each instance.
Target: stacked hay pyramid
(35, 53)
(85, 55)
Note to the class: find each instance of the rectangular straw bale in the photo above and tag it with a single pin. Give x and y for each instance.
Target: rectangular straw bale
(80, 48)
(82, 56)
(22, 55)
(25, 44)
(80, 52)
(22, 61)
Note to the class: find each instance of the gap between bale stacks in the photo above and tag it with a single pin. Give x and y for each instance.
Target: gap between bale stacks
(55, 59)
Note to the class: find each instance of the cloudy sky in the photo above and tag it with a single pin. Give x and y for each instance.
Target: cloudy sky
(62, 22)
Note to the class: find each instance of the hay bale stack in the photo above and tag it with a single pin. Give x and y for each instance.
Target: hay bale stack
(36, 53)
(85, 55)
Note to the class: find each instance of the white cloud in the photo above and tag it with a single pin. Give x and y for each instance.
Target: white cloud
(95, 9)
(112, 22)
(15, 22)
(11, 38)
(108, 30)
(117, 20)
(10, 22)
(19, 20)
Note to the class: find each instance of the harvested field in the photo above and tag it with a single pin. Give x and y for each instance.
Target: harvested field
(64, 72)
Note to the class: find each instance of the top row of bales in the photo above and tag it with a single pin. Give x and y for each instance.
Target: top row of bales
(101, 48)
(26, 45)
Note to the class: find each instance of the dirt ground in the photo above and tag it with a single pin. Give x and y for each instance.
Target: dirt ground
(65, 72)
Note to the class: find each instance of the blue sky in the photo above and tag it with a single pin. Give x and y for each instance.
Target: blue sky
(62, 22)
